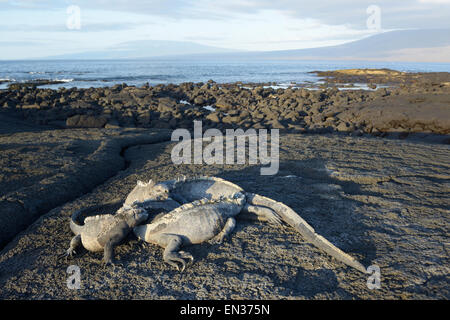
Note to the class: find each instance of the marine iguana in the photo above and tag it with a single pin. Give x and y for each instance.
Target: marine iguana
(192, 223)
(103, 232)
(174, 193)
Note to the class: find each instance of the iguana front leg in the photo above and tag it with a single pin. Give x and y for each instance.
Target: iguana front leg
(227, 229)
(108, 252)
(74, 243)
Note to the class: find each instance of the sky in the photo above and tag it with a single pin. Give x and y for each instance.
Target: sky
(41, 28)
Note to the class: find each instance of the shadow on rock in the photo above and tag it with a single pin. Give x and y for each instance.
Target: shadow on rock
(307, 187)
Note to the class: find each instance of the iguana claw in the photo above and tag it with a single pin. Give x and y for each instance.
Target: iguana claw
(176, 258)
(275, 219)
(108, 264)
(69, 253)
(216, 240)
(186, 255)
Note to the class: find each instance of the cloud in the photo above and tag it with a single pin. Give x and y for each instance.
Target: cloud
(234, 24)
(435, 1)
(394, 14)
(19, 43)
(92, 27)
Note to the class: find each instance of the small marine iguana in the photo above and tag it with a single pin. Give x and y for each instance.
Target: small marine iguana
(172, 194)
(103, 232)
(191, 223)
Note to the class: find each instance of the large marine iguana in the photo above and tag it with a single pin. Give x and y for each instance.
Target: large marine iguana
(172, 194)
(103, 232)
(191, 223)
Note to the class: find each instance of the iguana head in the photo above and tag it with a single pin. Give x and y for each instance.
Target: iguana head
(134, 215)
(147, 192)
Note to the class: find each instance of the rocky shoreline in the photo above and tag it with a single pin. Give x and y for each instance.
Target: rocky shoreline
(384, 201)
(413, 103)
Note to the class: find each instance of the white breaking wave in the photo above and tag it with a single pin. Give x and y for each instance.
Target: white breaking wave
(209, 108)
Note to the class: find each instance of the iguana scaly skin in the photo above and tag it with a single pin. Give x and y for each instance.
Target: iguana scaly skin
(103, 232)
(174, 193)
(192, 223)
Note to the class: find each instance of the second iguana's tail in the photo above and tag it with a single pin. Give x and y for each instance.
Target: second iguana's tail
(77, 226)
(294, 220)
(74, 226)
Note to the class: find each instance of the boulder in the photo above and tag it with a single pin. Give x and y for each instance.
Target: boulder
(275, 124)
(86, 121)
(231, 119)
(112, 124)
(166, 104)
(224, 104)
(9, 104)
(31, 106)
(342, 126)
(199, 100)
(213, 117)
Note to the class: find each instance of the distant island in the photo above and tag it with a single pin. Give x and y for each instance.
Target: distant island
(426, 45)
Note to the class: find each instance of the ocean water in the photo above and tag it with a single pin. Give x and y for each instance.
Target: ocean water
(101, 73)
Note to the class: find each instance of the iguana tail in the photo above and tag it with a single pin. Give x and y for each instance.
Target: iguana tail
(294, 220)
(74, 226)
